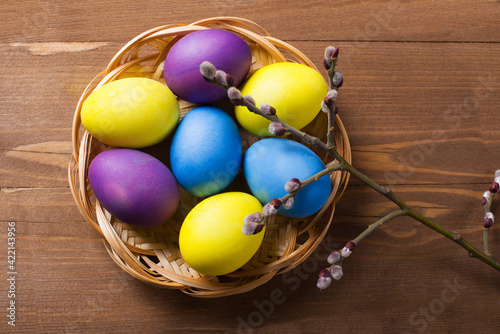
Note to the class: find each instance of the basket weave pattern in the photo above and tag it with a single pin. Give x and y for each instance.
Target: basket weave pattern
(152, 254)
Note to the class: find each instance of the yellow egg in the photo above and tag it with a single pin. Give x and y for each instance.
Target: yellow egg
(211, 240)
(131, 112)
(294, 90)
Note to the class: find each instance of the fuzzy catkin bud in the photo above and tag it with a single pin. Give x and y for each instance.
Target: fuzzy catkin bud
(207, 70)
(489, 219)
(330, 54)
(292, 185)
(334, 53)
(276, 202)
(348, 248)
(235, 96)
(272, 207)
(259, 228)
(249, 99)
(345, 252)
(289, 203)
(252, 228)
(497, 173)
(495, 186)
(252, 224)
(332, 94)
(324, 279)
(485, 198)
(269, 210)
(324, 107)
(267, 109)
(324, 273)
(336, 272)
(323, 283)
(223, 78)
(334, 257)
(253, 218)
(329, 101)
(338, 79)
(276, 129)
(249, 228)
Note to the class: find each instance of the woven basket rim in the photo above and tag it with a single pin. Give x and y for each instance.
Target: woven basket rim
(141, 262)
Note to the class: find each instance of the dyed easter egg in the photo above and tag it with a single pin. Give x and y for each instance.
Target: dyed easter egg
(271, 162)
(206, 152)
(225, 50)
(294, 90)
(211, 240)
(134, 186)
(130, 112)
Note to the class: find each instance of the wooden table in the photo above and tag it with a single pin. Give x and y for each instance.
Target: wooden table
(420, 102)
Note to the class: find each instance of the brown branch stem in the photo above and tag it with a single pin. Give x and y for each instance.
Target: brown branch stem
(486, 233)
(377, 224)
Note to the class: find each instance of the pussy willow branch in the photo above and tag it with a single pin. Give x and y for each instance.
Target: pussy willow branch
(487, 200)
(377, 224)
(225, 81)
(486, 230)
(309, 180)
(329, 62)
(254, 223)
(337, 257)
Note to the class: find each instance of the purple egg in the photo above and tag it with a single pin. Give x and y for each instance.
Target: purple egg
(134, 187)
(225, 50)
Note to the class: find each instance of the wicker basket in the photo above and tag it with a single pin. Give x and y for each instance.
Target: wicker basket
(152, 254)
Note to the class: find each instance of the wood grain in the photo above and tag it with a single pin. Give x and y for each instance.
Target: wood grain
(420, 103)
(430, 109)
(355, 20)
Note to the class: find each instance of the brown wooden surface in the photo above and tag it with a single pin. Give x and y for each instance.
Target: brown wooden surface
(420, 101)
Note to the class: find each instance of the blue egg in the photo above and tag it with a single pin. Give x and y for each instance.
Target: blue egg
(270, 163)
(206, 152)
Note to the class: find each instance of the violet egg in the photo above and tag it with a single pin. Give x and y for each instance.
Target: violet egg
(134, 187)
(225, 50)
